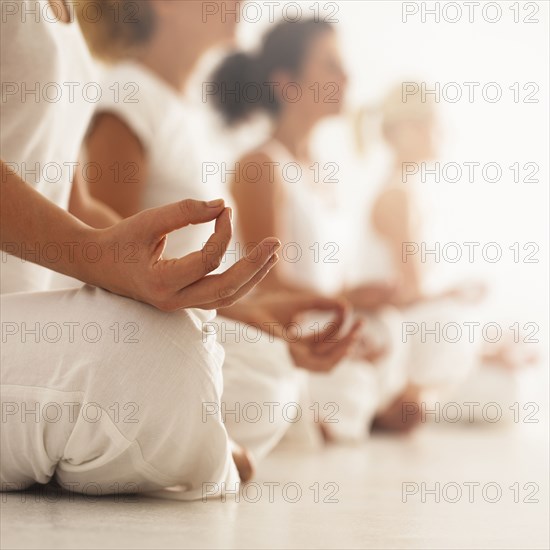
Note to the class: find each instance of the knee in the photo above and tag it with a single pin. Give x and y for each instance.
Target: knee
(156, 355)
(181, 352)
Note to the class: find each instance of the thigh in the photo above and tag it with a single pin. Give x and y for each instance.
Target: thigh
(261, 384)
(131, 383)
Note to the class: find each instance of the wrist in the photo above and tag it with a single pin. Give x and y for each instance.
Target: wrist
(89, 249)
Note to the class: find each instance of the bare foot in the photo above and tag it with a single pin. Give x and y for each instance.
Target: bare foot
(325, 434)
(394, 419)
(244, 462)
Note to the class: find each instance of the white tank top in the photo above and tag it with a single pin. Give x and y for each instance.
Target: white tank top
(48, 94)
(375, 262)
(171, 134)
(311, 228)
(171, 131)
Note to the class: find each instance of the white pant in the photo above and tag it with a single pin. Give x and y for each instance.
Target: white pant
(104, 392)
(356, 390)
(437, 357)
(348, 397)
(262, 387)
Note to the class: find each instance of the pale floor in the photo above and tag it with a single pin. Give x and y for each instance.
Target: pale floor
(368, 511)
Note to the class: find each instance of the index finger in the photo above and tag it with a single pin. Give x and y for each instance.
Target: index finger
(182, 272)
(165, 219)
(227, 284)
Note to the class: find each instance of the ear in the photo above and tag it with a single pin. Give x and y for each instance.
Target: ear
(281, 78)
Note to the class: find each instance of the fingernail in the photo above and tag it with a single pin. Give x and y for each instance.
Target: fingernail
(230, 210)
(274, 245)
(215, 204)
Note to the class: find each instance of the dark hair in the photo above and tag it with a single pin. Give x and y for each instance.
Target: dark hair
(284, 47)
(116, 29)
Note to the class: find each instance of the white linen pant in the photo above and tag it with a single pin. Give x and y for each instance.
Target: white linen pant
(262, 387)
(357, 390)
(101, 391)
(349, 396)
(440, 352)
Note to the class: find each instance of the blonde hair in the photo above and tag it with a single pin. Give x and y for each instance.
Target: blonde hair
(116, 29)
(372, 121)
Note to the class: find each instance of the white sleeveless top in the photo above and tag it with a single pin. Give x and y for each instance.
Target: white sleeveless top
(314, 237)
(48, 94)
(171, 134)
(375, 262)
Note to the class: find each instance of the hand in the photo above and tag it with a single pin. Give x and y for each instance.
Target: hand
(322, 352)
(403, 413)
(468, 292)
(140, 271)
(318, 352)
(368, 349)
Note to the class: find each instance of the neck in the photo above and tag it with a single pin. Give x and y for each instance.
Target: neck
(294, 133)
(174, 67)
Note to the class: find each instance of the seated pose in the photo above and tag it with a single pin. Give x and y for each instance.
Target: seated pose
(279, 187)
(401, 214)
(100, 390)
(154, 135)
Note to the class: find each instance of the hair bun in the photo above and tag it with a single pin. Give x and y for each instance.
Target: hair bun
(237, 74)
(241, 81)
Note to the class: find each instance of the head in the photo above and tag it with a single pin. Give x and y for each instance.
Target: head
(118, 29)
(409, 125)
(298, 70)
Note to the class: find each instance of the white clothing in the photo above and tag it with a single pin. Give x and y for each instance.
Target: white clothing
(164, 377)
(311, 227)
(357, 388)
(103, 391)
(161, 120)
(258, 369)
(453, 367)
(48, 87)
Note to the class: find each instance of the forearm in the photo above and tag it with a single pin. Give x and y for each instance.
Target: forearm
(36, 230)
(95, 213)
(88, 209)
(244, 311)
(360, 298)
(275, 282)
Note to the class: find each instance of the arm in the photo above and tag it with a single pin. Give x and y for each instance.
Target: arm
(28, 220)
(87, 209)
(280, 312)
(392, 217)
(123, 164)
(258, 205)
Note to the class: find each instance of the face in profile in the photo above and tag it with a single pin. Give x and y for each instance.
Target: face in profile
(322, 78)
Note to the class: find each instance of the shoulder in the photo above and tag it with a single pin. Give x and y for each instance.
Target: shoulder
(131, 95)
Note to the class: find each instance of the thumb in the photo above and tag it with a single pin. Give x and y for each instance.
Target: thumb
(165, 219)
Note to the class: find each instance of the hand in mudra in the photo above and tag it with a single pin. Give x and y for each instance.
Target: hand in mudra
(317, 349)
(172, 284)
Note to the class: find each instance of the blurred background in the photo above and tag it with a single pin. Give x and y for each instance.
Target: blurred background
(499, 47)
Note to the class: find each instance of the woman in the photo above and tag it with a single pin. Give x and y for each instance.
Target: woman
(402, 212)
(302, 63)
(167, 368)
(154, 135)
